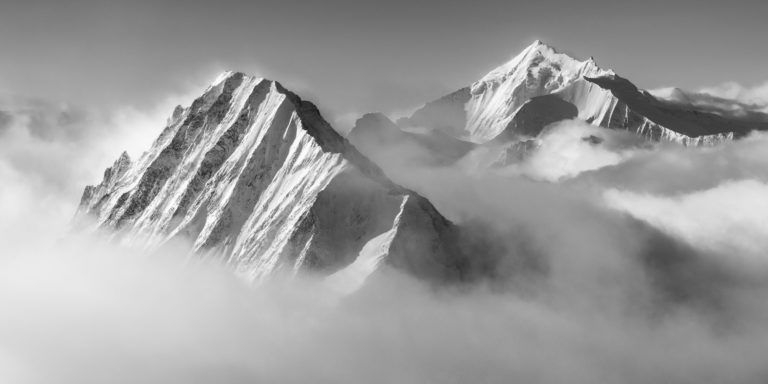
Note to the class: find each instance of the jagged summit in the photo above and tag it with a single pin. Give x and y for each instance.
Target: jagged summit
(539, 52)
(538, 70)
(252, 174)
(124, 157)
(487, 110)
(224, 75)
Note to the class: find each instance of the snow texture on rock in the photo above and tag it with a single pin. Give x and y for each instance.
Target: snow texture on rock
(253, 175)
(490, 108)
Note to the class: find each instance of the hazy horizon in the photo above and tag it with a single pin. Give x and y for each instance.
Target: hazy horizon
(352, 57)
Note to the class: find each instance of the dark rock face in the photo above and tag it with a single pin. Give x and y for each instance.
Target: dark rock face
(635, 105)
(377, 136)
(592, 139)
(535, 115)
(253, 175)
(94, 196)
(347, 214)
(170, 157)
(445, 114)
(541, 86)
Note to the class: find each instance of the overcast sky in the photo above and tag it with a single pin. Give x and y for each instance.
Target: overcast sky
(358, 55)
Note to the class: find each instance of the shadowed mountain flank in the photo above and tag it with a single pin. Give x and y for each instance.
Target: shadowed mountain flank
(253, 175)
(507, 98)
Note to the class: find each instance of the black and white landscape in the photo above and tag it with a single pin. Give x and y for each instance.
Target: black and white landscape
(549, 220)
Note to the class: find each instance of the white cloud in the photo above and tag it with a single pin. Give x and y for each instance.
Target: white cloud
(567, 149)
(749, 95)
(729, 219)
(87, 312)
(80, 311)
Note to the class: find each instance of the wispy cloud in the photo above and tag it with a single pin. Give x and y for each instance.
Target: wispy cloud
(757, 95)
(642, 254)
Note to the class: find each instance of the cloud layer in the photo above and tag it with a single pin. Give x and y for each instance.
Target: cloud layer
(757, 95)
(729, 99)
(646, 268)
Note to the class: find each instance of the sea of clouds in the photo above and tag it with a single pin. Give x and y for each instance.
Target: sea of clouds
(653, 270)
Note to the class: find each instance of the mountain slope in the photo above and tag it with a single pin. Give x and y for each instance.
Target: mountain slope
(375, 130)
(252, 174)
(488, 108)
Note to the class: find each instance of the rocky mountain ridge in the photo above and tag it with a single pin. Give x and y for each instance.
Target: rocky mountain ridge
(540, 79)
(253, 175)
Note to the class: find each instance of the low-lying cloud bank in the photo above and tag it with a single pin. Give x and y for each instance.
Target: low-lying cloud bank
(629, 228)
(729, 99)
(729, 219)
(651, 270)
(91, 313)
(757, 95)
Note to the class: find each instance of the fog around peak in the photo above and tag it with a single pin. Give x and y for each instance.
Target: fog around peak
(613, 260)
(645, 266)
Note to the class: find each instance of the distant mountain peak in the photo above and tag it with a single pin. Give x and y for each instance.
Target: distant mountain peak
(541, 54)
(488, 107)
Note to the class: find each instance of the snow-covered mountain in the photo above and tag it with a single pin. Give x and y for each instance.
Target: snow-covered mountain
(540, 86)
(252, 174)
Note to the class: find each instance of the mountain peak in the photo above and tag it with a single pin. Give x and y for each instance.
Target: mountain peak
(224, 76)
(539, 45)
(254, 175)
(536, 43)
(539, 55)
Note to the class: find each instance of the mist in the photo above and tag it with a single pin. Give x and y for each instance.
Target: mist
(756, 96)
(91, 313)
(652, 270)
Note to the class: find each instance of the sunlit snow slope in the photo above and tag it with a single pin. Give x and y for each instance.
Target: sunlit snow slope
(252, 174)
(541, 80)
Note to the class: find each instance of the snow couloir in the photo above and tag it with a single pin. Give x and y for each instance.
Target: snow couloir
(250, 173)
